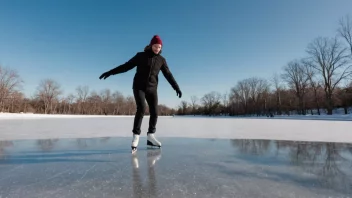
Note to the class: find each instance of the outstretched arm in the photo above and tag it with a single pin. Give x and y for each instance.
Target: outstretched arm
(169, 77)
(122, 68)
(130, 64)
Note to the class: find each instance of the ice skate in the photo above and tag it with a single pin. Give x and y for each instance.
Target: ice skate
(152, 141)
(135, 142)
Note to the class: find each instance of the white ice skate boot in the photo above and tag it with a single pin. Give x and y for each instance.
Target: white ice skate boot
(135, 142)
(152, 141)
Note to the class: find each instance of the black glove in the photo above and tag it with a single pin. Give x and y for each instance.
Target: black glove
(105, 75)
(179, 93)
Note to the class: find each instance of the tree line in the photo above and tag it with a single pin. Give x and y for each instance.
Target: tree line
(320, 81)
(49, 99)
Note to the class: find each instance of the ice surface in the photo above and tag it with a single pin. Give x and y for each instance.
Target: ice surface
(183, 167)
(89, 156)
(22, 126)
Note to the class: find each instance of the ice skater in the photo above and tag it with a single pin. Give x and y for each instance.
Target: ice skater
(145, 87)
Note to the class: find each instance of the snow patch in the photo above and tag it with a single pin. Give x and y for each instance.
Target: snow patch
(197, 127)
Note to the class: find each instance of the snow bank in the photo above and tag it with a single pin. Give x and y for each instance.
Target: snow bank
(198, 127)
(347, 117)
(317, 117)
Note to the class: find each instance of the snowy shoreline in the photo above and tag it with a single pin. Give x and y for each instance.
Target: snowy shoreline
(337, 117)
(17, 128)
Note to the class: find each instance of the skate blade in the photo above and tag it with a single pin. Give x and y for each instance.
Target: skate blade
(134, 149)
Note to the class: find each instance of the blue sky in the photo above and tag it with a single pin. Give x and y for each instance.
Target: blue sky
(209, 45)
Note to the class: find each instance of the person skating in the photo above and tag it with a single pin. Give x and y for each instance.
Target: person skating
(145, 86)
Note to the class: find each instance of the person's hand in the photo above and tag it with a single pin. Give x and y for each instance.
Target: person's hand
(104, 75)
(179, 93)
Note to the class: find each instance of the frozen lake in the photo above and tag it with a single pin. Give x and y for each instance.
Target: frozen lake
(184, 167)
(201, 157)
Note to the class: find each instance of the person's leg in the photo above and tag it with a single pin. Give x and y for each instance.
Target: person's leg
(152, 100)
(139, 96)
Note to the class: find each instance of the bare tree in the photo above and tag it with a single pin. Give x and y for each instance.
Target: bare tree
(277, 88)
(14, 102)
(211, 102)
(118, 100)
(106, 97)
(131, 105)
(10, 81)
(225, 102)
(164, 110)
(66, 104)
(344, 95)
(314, 83)
(296, 77)
(69, 100)
(266, 96)
(194, 100)
(82, 94)
(329, 59)
(95, 102)
(242, 93)
(251, 94)
(183, 107)
(345, 30)
(257, 87)
(48, 91)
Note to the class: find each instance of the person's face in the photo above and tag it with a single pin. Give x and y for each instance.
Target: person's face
(156, 48)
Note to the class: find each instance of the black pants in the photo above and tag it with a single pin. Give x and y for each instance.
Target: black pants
(152, 99)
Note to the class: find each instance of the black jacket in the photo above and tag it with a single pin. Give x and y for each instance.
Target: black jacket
(148, 65)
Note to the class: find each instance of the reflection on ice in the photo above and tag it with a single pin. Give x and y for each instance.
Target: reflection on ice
(139, 189)
(3, 146)
(330, 162)
(47, 144)
(184, 167)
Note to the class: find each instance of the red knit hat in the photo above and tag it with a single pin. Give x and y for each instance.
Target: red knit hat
(156, 40)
